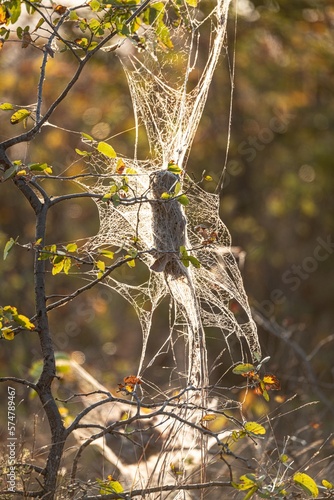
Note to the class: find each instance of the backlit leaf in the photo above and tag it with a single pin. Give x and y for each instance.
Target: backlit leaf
(271, 381)
(6, 106)
(87, 137)
(72, 247)
(208, 178)
(192, 3)
(175, 169)
(327, 484)
(19, 116)
(101, 265)
(254, 428)
(81, 152)
(120, 166)
(130, 263)
(195, 262)
(23, 321)
(307, 483)
(7, 333)
(67, 265)
(40, 167)
(94, 5)
(60, 9)
(131, 171)
(106, 150)
(58, 267)
(9, 245)
(107, 253)
(4, 15)
(247, 481)
(183, 199)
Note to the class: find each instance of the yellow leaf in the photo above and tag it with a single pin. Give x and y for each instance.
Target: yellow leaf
(72, 247)
(130, 171)
(254, 428)
(106, 149)
(307, 483)
(247, 481)
(7, 333)
(327, 484)
(23, 321)
(57, 268)
(101, 265)
(67, 264)
(107, 253)
(130, 263)
(209, 417)
(19, 116)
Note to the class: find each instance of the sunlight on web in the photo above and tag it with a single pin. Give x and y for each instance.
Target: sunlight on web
(159, 213)
(169, 86)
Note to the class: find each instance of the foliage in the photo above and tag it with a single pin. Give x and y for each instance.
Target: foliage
(271, 48)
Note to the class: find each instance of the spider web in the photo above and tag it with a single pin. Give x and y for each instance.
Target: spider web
(169, 88)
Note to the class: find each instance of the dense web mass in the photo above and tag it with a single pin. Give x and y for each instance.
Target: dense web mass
(187, 249)
(158, 213)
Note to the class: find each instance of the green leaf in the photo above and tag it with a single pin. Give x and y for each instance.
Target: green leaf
(9, 245)
(10, 172)
(6, 106)
(243, 368)
(306, 483)
(175, 169)
(15, 10)
(87, 137)
(254, 428)
(177, 188)
(40, 167)
(116, 200)
(166, 196)
(106, 150)
(183, 199)
(195, 262)
(81, 152)
(19, 116)
(94, 5)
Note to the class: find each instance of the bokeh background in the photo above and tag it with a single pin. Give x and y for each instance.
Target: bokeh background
(277, 201)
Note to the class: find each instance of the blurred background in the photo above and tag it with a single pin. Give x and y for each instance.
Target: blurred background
(277, 201)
